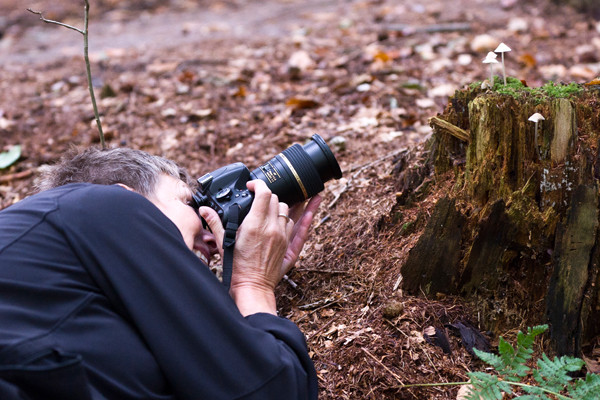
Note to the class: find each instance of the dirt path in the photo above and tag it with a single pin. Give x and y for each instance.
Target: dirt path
(42, 43)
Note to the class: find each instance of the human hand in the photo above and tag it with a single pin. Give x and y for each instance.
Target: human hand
(267, 246)
(302, 214)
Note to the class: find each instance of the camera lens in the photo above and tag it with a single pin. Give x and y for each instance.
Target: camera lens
(299, 172)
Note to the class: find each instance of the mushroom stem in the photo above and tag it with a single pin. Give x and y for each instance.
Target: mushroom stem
(504, 71)
(492, 75)
(537, 151)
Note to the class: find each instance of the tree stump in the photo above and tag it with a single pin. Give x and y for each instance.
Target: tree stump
(518, 234)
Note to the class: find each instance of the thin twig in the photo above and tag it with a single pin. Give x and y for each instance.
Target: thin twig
(86, 57)
(384, 367)
(361, 168)
(15, 176)
(89, 73)
(49, 21)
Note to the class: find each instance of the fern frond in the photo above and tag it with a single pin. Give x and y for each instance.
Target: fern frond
(553, 374)
(486, 387)
(586, 389)
(490, 359)
(511, 363)
(525, 348)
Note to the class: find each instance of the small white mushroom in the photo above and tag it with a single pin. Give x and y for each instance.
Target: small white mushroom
(491, 59)
(502, 48)
(536, 118)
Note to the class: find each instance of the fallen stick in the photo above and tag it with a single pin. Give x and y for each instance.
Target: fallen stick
(447, 127)
(361, 168)
(383, 365)
(15, 176)
(434, 28)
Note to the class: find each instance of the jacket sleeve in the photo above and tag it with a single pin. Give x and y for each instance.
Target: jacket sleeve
(205, 347)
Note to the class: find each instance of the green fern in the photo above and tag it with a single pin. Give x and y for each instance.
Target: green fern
(552, 376)
(510, 365)
(586, 389)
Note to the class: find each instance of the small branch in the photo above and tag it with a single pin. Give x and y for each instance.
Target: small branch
(435, 28)
(49, 21)
(15, 176)
(86, 57)
(89, 73)
(359, 170)
(384, 367)
(447, 127)
(435, 384)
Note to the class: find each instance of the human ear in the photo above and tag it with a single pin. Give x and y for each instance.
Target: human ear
(125, 186)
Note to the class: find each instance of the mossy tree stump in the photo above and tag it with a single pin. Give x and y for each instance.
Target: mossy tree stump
(524, 244)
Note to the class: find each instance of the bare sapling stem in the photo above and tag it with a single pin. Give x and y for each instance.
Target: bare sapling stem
(88, 69)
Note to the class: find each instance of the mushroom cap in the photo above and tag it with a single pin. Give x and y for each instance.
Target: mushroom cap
(490, 58)
(502, 48)
(490, 61)
(536, 117)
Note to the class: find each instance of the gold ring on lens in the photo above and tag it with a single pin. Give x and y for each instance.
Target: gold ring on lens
(291, 167)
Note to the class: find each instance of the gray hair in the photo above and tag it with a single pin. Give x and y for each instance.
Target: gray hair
(134, 168)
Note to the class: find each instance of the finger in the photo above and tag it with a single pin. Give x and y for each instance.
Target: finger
(262, 197)
(214, 223)
(296, 211)
(301, 228)
(283, 211)
(314, 204)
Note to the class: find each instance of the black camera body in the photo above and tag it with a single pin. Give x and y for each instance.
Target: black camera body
(224, 187)
(294, 175)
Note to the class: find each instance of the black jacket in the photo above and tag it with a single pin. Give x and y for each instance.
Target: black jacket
(101, 299)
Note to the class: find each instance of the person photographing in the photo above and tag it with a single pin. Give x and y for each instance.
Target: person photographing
(103, 294)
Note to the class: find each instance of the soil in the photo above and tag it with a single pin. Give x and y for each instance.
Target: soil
(208, 83)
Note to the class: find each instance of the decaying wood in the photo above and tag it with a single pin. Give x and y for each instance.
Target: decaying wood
(431, 265)
(570, 279)
(518, 234)
(447, 127)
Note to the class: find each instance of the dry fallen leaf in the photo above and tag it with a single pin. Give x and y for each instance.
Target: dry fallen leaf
(464, 392)
(593, 366)
(298, 103)
(527, 60)
(593, 82)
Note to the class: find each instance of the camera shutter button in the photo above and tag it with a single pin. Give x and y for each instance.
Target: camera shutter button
(223, 195)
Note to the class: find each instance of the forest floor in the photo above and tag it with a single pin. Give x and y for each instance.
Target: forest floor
(207, 83)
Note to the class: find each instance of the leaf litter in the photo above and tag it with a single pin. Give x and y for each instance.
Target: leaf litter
(233, 89)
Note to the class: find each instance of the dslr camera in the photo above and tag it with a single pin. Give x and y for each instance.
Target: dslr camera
(294, 175)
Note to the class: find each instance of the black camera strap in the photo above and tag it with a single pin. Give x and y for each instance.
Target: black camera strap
(231, 228)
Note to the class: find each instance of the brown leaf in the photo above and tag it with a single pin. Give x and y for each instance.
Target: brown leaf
(528, 60)
(593, 82)
(241, 92)
(298, 103)
(382, 56)
(593, 366)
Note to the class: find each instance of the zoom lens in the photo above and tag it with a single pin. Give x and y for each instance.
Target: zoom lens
(299, 172)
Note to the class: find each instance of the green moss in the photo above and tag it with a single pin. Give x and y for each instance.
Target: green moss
(407, 228)
(412, 85)
(560, 90)
(515, 88)
(475, 85)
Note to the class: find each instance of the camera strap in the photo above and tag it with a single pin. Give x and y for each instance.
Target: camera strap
(231, 228)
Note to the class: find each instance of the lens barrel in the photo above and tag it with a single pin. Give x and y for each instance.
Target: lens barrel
(299, 172)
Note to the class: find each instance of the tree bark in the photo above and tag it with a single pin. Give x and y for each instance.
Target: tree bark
(524, 246)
